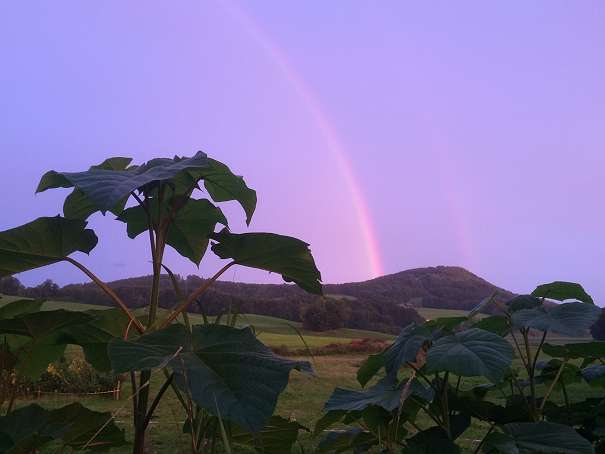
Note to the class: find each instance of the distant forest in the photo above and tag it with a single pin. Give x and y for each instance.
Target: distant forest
(384, 304)
(283, 301)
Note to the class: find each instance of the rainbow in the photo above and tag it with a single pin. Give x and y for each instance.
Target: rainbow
(333, 142)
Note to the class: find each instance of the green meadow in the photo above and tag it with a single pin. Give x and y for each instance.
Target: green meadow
(273, 331)
(303, 398)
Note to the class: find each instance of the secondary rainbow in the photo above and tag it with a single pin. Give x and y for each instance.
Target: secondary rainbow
(367, 230)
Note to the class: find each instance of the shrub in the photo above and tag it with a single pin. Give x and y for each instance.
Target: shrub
(458, 370)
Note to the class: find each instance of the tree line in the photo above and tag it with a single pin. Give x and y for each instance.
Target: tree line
(282, 301)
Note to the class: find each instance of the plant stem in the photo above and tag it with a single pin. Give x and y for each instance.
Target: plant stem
(157, 399)
(157, 252)
(483, 439)
(135, 400)
(530, 375)
(445, 404)
(424, 377)
(141, 413)
(428, 412)
(552, 385)
(538, 351)
(512, 333)
(198, 292)
(179, 295)
(139, 327)
(566, 399)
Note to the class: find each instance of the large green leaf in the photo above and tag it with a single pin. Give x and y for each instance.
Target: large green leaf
(386, 394)
(222, 185)
(34, 338)
(562, 291)
(277, 437)
(77, 205)
(594, 349)
(43, 242)
(569, 319)
(226, 370)
(352, 440)
(445, 325)
(106, 188)
(472, 403)
(95, 334)
(188, 233)
(549, 370)
(285, 255)
(589, 412)
(471, 353)
(546, 437)
(594, 375)
(37, 339)
(18, 307)
(497, 324)
(29, 429)
(430, 441)
(328, 420)
(405, 348)
(40, 324)
(521, 302)
(369, 368)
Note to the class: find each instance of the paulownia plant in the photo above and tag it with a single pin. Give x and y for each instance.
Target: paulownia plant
(221, 374)
(446, 374)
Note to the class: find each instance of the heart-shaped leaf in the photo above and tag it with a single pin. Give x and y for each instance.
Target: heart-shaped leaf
(430, 441)
(550, 370)
(285, 255)
(471, 353)
(562, 291)
(43, 242)
(31, 428)
(594, 375)
(569, 319)
(352, 440)
(405, 348)
(521, 302)
(77, 205)
(33, 338)
(386, 394)
(576, 350)
(18, 307)
(526, 438)
(95, 334)
(226, 370)
(107, 188)
(38, 338)
(370, 368)
(223, 186)
(188, 233)
(497, 324)
(277, 437)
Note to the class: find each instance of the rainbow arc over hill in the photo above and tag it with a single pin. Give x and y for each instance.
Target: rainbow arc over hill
(329, 133)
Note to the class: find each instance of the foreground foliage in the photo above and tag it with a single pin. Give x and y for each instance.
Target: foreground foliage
(226, 380)
(432, 370)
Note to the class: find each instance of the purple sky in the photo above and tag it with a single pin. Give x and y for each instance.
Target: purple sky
(475, 130)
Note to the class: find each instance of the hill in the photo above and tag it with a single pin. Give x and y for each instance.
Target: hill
(440, 287)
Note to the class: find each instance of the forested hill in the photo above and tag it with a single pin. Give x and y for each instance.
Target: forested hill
(444, 287)
(383, 304)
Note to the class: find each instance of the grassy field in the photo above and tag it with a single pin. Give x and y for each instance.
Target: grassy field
(431, 313)
(273, 331)
(302, 400)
